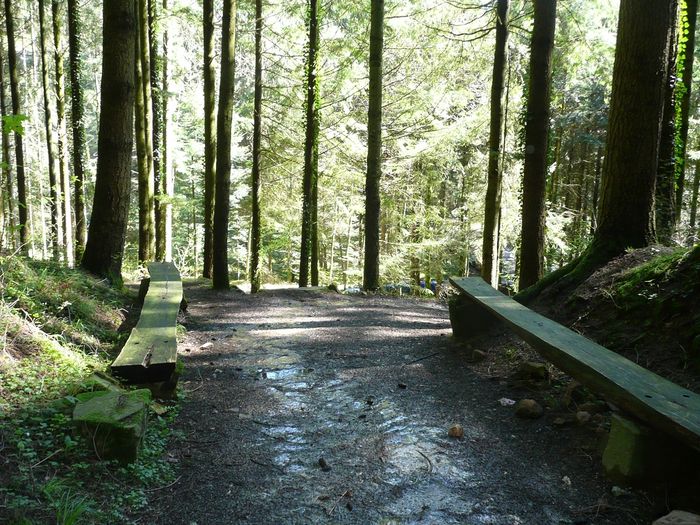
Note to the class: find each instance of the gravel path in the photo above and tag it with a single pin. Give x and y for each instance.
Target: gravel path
(314, 407)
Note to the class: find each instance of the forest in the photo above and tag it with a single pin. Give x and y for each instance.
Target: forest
(321, 218)
(461, 105)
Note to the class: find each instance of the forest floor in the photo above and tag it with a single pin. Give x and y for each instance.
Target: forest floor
(306, 406)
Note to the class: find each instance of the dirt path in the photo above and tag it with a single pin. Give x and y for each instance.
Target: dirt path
(371, 385)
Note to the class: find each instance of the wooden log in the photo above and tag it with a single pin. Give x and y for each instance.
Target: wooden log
(656, 401)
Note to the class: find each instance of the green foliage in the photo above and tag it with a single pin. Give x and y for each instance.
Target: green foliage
(14, 123)
(640, 284)
(57, 326)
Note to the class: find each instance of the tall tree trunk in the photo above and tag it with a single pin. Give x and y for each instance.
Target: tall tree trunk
(536, 133)
(64, 169)
(11, 237)
(56, 232)
(694, 202)
(255, 179)
(636, 111)
(596, 190)
(220, 277)
(168, 176)
(311, 144)
(665, 202)
(492, 208)
(374, 147)
(19, 145)
(144, 135)
(77, 125)
(155, 29)
(105, 244)
(209, 136)
(686, 59)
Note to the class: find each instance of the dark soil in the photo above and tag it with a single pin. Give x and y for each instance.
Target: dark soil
(656, 330)
(315, 407)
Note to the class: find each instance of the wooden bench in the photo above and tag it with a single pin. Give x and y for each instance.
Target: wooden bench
(150, 353)
(652, 399)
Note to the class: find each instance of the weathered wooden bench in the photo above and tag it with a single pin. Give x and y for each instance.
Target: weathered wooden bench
(150, 354)
(661, 404)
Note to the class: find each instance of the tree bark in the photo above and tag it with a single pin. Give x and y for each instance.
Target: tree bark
(19, 145)
(536, 134)
(634, 128)
(310, 146)
(687, 47)
(665, 202)
(255, 179)
(105, 245)
(209, 136)
(492, 208)
(157, 93)
(374, 147)
(10, 236)
(144, 133)
(694, 203)
(56, 231)
(77, 125)
(220, 277)
(168, 177)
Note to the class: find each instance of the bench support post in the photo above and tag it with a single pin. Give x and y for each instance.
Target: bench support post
(468, 318)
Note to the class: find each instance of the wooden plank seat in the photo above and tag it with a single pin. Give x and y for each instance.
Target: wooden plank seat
(150, 353)
(654, 400)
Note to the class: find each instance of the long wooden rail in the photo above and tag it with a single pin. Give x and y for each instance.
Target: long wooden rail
(150, 353)
(656, 401)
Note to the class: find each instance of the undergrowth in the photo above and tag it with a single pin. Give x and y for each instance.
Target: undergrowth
(56, 327)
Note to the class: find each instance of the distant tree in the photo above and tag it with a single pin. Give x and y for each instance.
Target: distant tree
(167, 184)
(19, 144)
(105, 244)
(310, 147)
(374, 147)
(156, 59)
(257, 132)
(49, 125)
(222, 190)
(686, 55)
(492, 208)
(144, 136)
(77, 125)
(9, 217)
(536, 135)
(209, 133)
(64, 169)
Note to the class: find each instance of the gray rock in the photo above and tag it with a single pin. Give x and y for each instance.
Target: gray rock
(533, 371)
(583, 417)
(528, 409)
(678, 517)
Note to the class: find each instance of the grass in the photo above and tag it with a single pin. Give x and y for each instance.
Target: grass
(56, 327)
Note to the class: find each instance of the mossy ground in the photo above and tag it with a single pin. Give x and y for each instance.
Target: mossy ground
(645, 305)
(56, 327)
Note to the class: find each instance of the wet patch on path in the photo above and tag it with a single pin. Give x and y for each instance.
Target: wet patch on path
(313, 407)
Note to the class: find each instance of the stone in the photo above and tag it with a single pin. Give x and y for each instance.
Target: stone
(625, 459)
(678, 517)
(532, 371)
(528, 409)
(583, 417)
(565, 420)
(113, 422)
(456, 431)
